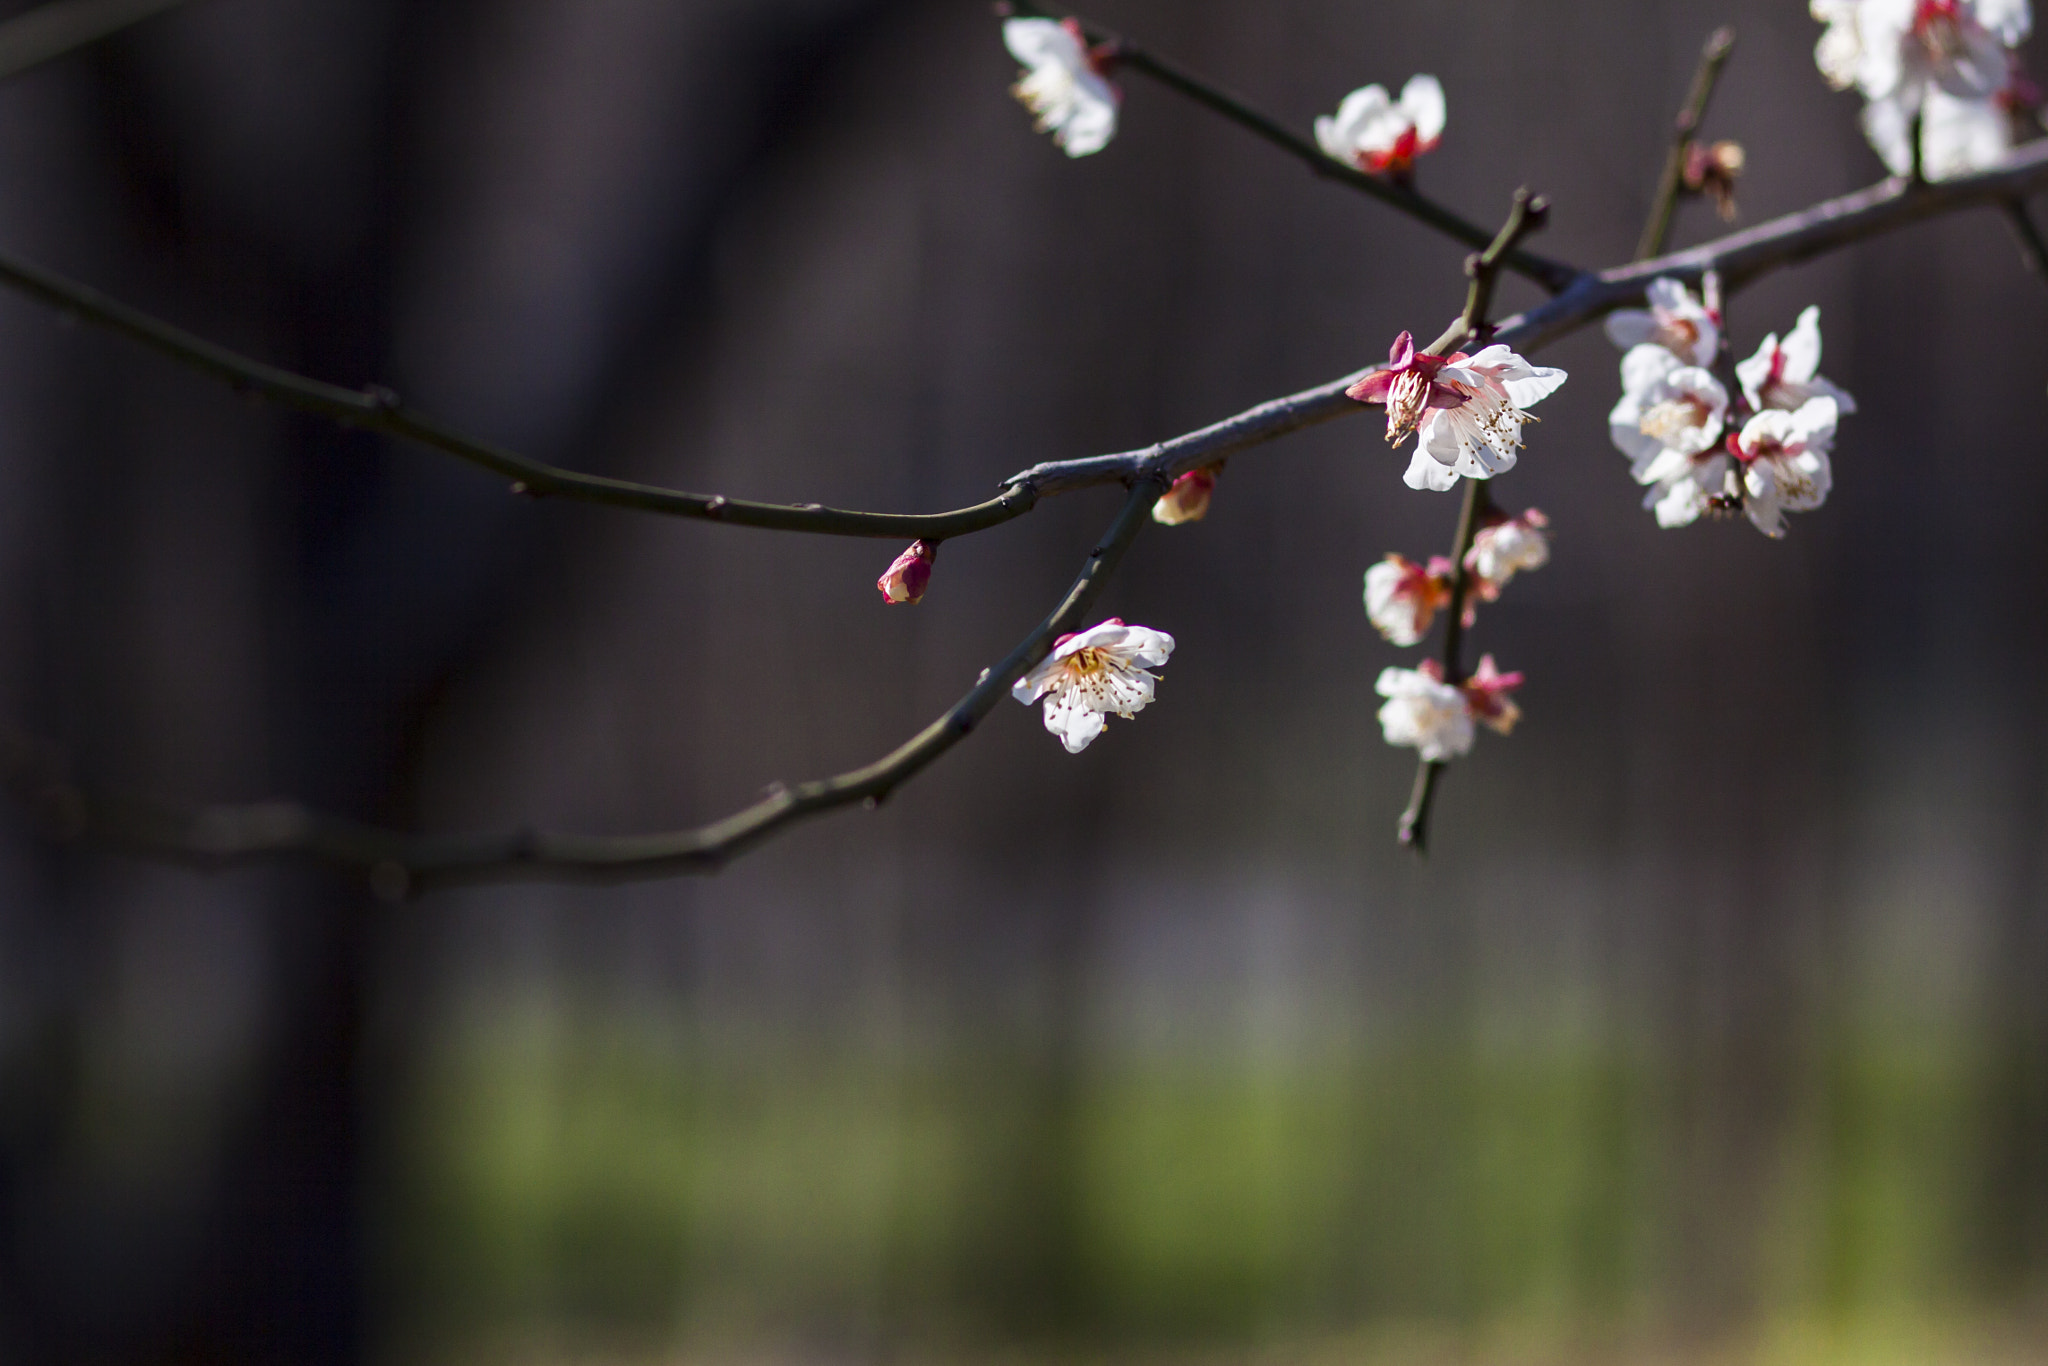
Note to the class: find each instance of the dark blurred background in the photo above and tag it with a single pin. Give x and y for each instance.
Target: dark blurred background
(1713, 1030)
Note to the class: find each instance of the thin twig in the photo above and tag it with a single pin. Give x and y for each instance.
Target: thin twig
(400, 864)
(1714, 56)
(2032, 245)
(1554, 276)
(49, 31)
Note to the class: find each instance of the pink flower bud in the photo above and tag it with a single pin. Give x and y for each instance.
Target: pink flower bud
(1486, 693)
(909, 574)
(1188, 499)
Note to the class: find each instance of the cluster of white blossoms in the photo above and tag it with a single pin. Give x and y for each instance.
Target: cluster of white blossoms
(1945, 67)
(1674, 412)
(1436, 718)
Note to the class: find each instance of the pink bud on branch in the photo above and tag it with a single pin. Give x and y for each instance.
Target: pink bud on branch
(909, 574)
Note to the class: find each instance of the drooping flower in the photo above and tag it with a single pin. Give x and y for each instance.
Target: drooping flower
(1402, 597)
(1467, 411)
(1065, 83)
(1680, 411)
(909, 574)
(1786, 374)
(1092, 675)
(1784, 456)
(1486, 695)
(1425, 713)
(1378, 134)
(1188, 499)
(1675, 320)
(1506, 546)
(1711, 169)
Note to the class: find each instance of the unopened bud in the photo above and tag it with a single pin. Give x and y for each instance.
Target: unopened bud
(1188, 499)
(909, 574)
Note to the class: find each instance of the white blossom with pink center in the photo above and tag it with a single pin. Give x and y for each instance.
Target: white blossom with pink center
(1680, 412)
(1902, 49)
(1424, 713)
(1466, 411)
(1092, 675)
(1785, 462)
(1957, 136)
(1064, 84)
(1382, 135)
(1402, 597)
(1504, 547)
(1787, 374)
(1675, 321)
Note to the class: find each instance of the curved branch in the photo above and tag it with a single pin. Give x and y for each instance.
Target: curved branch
(380, 410)
(399, 864)
(1714, 56)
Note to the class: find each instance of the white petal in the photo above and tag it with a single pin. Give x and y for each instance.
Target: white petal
(1422, 99)
(1630, 327)
(1682, 504)
(1754, 371)
(1035, 42)
(1644, 365)
(1076, 724)
(1426, 472)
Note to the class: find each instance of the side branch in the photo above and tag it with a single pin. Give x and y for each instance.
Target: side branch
(1720, 45)
(380, 410)
(398, 864)
(1554, 276)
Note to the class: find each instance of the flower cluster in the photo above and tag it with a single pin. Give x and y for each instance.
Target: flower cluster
(1943, 68)
(1436, 718)
(1674, 412)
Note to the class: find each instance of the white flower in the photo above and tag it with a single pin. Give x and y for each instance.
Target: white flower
(1505, 547)
(1902, 49)
(1402, 597)
(1786, 374)
(1674, 320)
(1479, 437)
(1957, 136)
(1063, 84)
(1376, 134)
(1685, 498)
(1679, 412)
(1785, 462)
(1093, 673)
(1425, 713)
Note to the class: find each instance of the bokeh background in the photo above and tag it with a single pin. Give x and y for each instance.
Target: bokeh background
(1713, 1030)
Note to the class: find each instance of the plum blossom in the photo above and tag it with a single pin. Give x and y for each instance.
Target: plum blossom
(1681, 411)
(1711, 169)
(1402, 597)
(1957, 136)
(1946, 62)
(1188, 499)
(909, 574)
(1065, 83)
(1466, 411)
(1504, 547)
(1425, 713)
(1787, 374)
(1675, 321)
(1486, 695)
(1378, 134)
(1784, 456)
(1092, 674)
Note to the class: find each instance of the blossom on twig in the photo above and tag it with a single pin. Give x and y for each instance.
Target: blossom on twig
(1188, 499)
(1486, 694)
(1943, 65)
(1675, 321)
(1711, 169)
(1425, 713)
(1466, 411)
(1402, 597)
(1669, 430)
(1502, 548)
(909, 574)
(1784, 456)
(1383, 136)
(1093, 674)
(1065, 83)
(1786, 374)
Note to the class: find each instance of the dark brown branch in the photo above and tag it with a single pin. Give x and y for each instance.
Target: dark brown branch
(380, 410)
(1554, 276)
(400, 864)
(2032, 245)
(49, 31)
(1720, 43)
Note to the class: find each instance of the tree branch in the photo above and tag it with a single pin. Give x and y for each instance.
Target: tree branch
(2032, 245)
(400, 865)
(1720, 44)
(1554, 276)
(49, 31)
